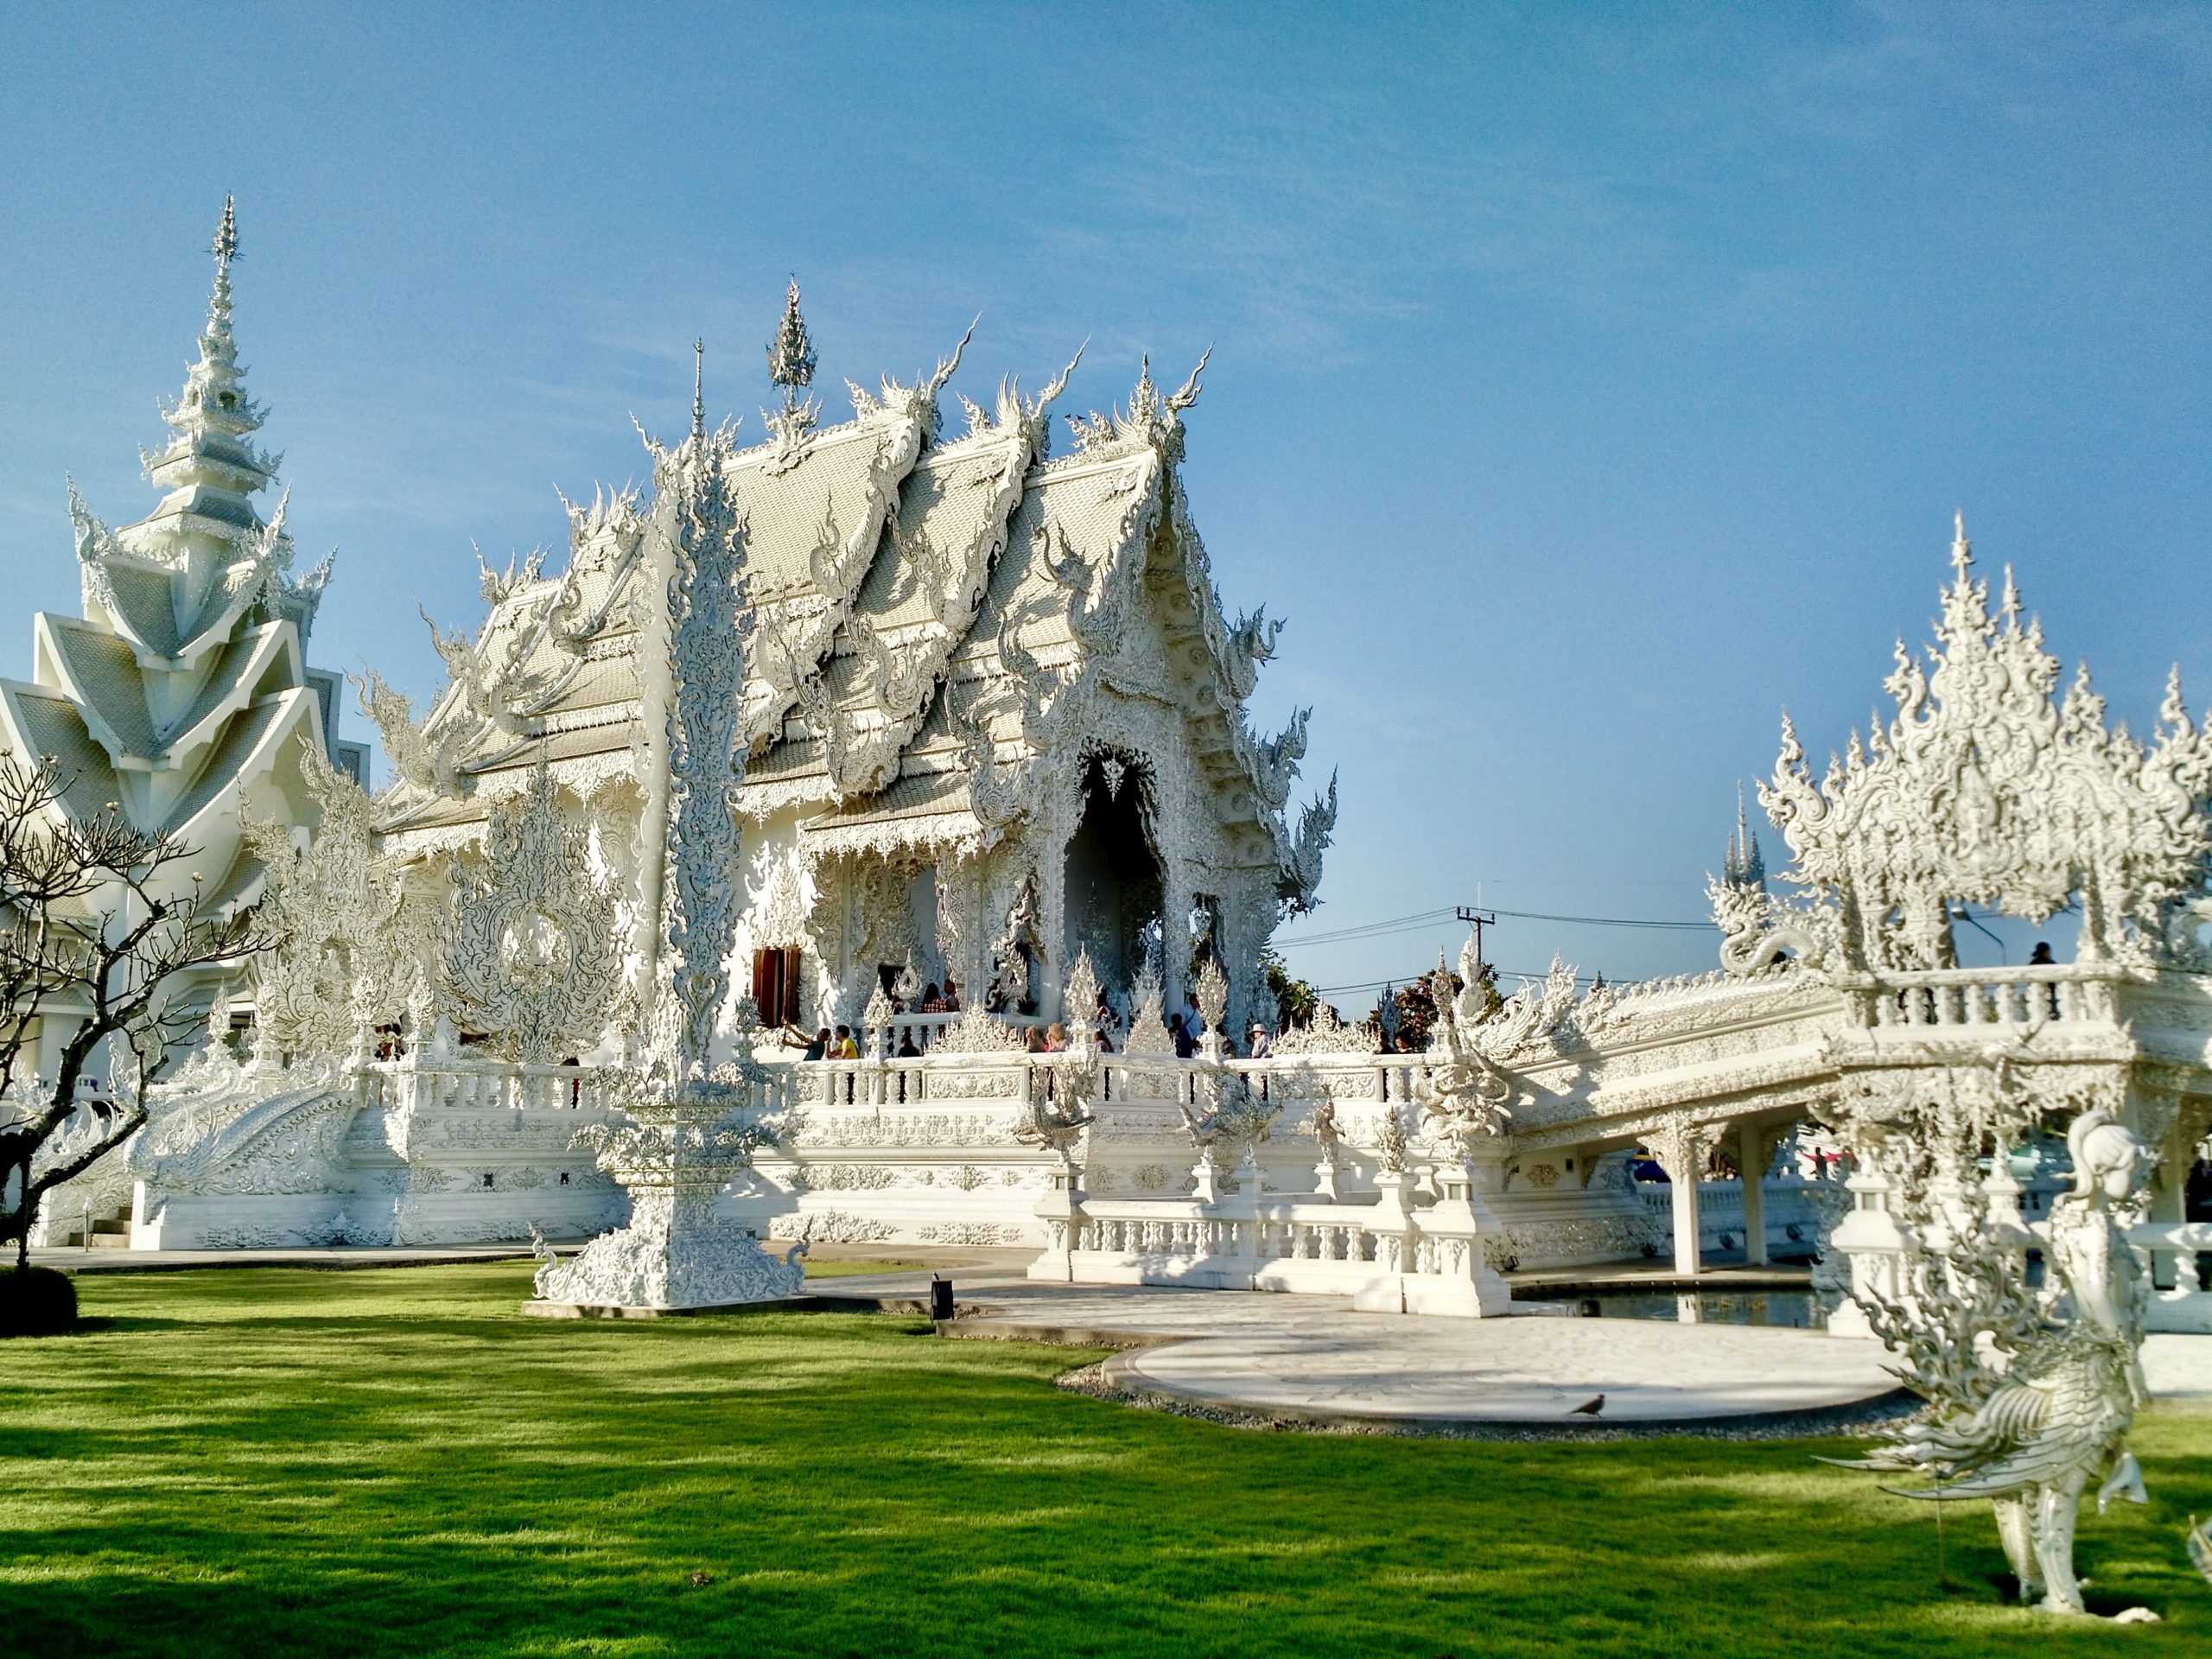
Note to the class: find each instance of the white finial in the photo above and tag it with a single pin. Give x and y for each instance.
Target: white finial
(227, 232)
(1962, 550)
(699, 388)
(791, 353)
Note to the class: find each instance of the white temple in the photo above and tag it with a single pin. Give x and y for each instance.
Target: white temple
(993, 712)
(826, 720)
(956, 712)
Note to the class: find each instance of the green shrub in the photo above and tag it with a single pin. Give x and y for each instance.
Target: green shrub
(36, 1302)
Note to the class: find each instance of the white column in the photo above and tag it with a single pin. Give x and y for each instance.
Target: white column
(1754, 1149)
(1688, 1257)
(1680, 1147)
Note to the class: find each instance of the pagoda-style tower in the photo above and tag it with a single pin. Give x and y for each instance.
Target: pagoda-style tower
(182, 693)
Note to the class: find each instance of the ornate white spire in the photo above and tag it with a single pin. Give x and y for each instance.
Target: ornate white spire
(699, 390)
(1743, 866)
(791, 353)
(790, 366)
(208, 468)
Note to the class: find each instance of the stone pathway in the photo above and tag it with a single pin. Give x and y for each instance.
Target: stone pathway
(1313, 1356)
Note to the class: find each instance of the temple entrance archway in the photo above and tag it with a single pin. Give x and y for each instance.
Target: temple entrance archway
(1115, 877)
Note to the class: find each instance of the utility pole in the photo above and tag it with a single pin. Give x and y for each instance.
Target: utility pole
(1478, 919)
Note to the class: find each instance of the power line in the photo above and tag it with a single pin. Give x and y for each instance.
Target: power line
(1510, 973)
(1432, 919)
(1365, 930)
(1608, 921)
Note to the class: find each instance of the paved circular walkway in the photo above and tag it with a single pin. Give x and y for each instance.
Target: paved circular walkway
(1314, 1356)
(1522, 1370)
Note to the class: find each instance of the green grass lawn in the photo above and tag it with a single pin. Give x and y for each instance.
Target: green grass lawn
(244, 1463)
(837, 1269)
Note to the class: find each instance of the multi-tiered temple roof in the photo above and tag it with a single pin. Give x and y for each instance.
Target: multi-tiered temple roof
(936, 620)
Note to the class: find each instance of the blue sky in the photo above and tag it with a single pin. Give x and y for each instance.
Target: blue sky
(1588, 382)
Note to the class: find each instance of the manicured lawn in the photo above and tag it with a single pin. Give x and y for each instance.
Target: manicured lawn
(838, 1269)
(244, 1463)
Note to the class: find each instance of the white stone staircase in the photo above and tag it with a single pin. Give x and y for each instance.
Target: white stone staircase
(109, 1231)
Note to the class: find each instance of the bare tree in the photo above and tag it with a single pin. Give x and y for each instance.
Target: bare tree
(95, 922)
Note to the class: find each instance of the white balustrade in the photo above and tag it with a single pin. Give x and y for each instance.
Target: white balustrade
(2175, 1248)
(2021, 998)
(483, 1085)
(1386, 1256)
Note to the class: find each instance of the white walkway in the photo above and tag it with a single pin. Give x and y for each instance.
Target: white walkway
(1312, 1356)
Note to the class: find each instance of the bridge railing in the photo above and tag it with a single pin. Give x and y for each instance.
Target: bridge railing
(2016, 998)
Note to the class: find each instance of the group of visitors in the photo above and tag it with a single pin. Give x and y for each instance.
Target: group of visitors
(842, 1046)
(1183, 1030)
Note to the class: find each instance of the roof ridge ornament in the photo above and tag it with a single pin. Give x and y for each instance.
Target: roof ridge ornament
(226, 248)
(917, 402)
(791, 361)
(699, 388)
(1150, 419)
(1742, 865)
(791, 364)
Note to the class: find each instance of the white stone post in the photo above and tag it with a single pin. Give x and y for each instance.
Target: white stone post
(1871, 1240)
(1324, 1177)
(1679, 1146)
(1207, 1173)
(1062, 1212)
(1754, 1151)
(1393, 1227)
(1465, 1284)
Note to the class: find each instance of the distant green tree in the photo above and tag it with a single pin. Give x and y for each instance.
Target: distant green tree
(1416, 1008)
(1416, 1004)
(1296, 1000)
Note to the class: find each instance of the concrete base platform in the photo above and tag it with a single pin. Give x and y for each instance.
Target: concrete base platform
(917, 1305)
(1527, 1371)
(537, 1309)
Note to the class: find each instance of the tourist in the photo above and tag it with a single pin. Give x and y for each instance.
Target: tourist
(1034, 1043)
(1263, 1046)
(906, 1049)
(845, 1048)
(951, 996)
(1056, 1037)
(819, 1048)
(2041, 958)
(932, 1002)
(1181, 1034)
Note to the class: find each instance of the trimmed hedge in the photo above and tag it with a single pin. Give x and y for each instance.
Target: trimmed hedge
(36, 1302)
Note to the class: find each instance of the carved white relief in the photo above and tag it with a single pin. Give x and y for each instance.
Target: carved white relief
(359, 935)
(533, 962)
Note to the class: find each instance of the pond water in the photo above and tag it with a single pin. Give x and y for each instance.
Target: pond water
(1798, 1309)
